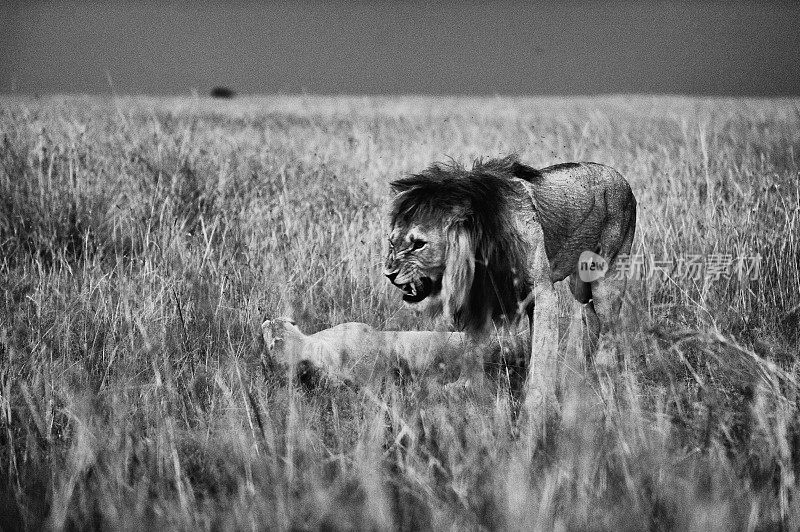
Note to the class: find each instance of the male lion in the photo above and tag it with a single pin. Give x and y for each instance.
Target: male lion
(488, 243)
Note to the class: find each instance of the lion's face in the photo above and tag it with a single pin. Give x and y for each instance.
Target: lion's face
(416, 262)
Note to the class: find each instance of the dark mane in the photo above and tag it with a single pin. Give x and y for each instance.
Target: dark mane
(481, 202)
(441, 187)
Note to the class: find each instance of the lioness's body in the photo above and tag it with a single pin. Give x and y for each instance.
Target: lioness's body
(488, 243)
(359, 352)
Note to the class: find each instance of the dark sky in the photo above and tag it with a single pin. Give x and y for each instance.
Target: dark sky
(735, 48)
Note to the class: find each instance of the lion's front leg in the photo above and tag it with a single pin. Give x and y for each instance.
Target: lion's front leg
(543, 377)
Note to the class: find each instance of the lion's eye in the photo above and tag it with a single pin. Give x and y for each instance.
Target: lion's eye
(418, 244)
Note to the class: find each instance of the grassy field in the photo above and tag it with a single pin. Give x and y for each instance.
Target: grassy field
(143, 241)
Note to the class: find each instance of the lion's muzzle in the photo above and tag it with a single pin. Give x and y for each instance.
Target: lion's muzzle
(414, 290)
(392, 275)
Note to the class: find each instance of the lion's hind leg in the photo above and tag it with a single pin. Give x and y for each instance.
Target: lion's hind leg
(597, 304)
(584, 327)
(608, 292)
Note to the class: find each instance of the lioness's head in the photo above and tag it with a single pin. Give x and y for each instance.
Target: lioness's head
(452, 246)
(277, 333)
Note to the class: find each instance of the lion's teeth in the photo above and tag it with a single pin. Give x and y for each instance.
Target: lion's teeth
(413, 289)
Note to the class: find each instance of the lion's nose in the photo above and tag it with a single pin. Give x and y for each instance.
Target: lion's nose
(391, 275)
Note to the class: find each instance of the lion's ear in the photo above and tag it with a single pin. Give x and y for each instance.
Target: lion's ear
(458, 218)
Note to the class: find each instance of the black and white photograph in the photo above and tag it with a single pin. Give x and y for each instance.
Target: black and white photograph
(400, 265)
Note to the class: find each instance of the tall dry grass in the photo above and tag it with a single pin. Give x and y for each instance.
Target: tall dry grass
(143, 240)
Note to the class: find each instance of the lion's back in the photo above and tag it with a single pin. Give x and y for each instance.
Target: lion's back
(592, 183)
(581, 175)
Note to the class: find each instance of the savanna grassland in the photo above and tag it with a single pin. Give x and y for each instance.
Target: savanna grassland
(143, 241)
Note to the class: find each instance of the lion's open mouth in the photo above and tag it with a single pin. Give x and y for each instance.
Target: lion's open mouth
(418, 290)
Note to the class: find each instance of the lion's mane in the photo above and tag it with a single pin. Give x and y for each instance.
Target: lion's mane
(485, 258)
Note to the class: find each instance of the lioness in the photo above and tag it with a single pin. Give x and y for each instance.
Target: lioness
(357, 352)
(488, 243)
